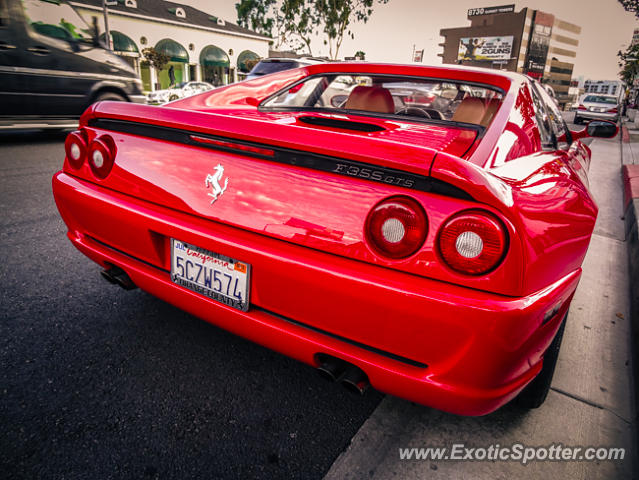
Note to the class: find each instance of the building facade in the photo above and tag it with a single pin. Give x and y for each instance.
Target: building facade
(529, 41)
(606, 87)
(200, 46)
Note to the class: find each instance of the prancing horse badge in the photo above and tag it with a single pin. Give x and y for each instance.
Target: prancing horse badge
(213, 180)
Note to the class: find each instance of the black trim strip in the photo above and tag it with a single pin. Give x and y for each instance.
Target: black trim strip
(355, 343)
(117, 250)
(339, 166)
(336, 123)
(407, 361)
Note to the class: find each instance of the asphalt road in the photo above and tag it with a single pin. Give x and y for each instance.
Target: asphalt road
(98, 383)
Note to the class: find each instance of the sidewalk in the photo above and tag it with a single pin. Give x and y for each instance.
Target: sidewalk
(591, 400)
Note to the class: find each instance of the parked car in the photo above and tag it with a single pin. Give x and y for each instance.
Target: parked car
(598, 107)
(273, 65)
(181, 90)
(52, 73)
(432, 258)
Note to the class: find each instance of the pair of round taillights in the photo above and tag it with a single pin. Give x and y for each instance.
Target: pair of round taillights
(472, 242)
(100, 153)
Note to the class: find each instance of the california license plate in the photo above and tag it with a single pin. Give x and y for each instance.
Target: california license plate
(211, 274)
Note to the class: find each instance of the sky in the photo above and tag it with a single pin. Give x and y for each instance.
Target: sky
(395, 27)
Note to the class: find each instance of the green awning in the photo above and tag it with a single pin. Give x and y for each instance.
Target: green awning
(121, 42)
(172, 49)
(243, 59)
(213, 56)
(53, 31)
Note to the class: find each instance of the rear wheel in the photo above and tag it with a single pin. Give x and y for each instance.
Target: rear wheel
(536, 391)
(577, 120)
(173, 97)
(110, 96)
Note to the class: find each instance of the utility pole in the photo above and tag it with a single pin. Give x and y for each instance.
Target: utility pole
(107, 34)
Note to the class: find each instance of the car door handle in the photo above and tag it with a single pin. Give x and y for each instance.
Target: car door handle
(6, 46)
(38, 50)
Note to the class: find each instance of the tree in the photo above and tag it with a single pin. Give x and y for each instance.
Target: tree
(293, 20)
(254, 14)
(336, 16)
(631, 6)
(300, 20)
(360, 55)
(629, 64)
(156, 59)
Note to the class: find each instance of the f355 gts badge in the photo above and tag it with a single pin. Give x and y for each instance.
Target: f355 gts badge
(213, 180)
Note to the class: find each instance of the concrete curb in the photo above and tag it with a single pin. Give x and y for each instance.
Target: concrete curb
(630, 177)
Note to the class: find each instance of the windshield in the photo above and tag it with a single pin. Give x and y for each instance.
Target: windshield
(56, 19)
(264, 68)
(601, 99)
(424, 99)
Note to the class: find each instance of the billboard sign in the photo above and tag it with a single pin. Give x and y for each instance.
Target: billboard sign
(485, 48)
(475, 12)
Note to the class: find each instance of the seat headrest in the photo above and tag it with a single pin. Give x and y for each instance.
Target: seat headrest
(371, 99)
(470, 110)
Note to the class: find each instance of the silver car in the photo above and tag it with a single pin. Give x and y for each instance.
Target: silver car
(181, 90)
(598, 107)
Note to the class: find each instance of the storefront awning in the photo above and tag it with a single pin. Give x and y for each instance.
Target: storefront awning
(213, 56)
(53, 31)
(121, 42)
(246, 60)
(173, 50)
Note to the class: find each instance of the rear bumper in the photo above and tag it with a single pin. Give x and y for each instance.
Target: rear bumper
(449, 347)
(588, 115)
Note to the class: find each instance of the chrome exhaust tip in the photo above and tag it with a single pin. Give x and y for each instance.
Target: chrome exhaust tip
(117, 276)
(332, 368)
(355, 380)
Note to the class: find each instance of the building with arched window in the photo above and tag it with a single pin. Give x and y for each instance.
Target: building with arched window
(200, 46)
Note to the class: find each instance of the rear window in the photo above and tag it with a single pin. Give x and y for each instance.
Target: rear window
(264, 68)
(424, 99)
(601, 99)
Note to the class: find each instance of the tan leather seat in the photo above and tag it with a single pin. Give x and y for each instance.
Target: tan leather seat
(370, 99)
(491, 108)
(470, 110)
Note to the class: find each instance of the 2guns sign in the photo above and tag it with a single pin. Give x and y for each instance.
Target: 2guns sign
(485, 48)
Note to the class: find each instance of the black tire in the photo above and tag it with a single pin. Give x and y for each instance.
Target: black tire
(535, 393)
(577, 120)
(110, 96)
(173, 97)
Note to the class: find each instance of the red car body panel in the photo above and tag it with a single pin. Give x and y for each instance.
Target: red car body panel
(419, 329)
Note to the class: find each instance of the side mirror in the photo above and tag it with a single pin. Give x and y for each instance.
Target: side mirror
(597, 128)
(602, 129)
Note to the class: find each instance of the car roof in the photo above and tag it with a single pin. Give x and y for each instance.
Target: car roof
(306, 61)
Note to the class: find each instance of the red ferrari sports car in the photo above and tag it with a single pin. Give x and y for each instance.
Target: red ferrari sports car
(429, 249)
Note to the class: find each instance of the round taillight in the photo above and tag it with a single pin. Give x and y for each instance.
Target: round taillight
(101, 156)
(472, 242)
(75, 147)
(396, 228)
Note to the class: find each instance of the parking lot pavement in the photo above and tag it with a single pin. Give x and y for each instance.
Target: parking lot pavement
(591, 402)
(97, 382)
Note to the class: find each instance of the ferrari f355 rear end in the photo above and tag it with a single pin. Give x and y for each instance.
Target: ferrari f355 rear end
(333, 219)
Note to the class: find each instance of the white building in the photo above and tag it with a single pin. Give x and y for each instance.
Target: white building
(606, 87)
(200, 46)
